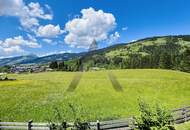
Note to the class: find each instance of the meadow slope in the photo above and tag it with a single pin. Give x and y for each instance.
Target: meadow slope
(41, 96)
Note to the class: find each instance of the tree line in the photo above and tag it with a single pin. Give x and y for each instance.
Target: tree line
(65, 66)
(171, 55)
(164, 57)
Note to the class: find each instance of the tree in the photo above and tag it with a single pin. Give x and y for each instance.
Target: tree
(117, 60)
(165, 61)
(5, 69)
(62, 65)
(53, 65)
(78, 65)
(66, 68)
(185, 62)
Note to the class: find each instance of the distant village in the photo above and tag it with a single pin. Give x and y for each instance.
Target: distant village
(36, 68)
(32, 68)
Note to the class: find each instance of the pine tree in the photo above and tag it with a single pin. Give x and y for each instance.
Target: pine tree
(185, 62)
(62, 66)
(53, 65)
(165, 61)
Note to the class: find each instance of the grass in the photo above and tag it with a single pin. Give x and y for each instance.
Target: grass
(74, 83)
(184, 126)
(114, 82)
(41, 96)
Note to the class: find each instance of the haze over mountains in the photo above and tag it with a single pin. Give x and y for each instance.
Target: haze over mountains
(33, 59)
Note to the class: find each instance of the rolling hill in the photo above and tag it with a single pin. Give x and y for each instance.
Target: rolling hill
(17, 60)
(166, 52)
(33, 59)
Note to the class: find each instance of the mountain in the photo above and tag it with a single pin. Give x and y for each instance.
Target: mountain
(56, 57)
(33, 59)
(166, 52)
(17, 60)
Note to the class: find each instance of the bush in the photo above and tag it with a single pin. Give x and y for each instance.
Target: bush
(80, 125)
(76, 116)
(154, 118)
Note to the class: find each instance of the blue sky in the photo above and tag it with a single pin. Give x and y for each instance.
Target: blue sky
(57, 26)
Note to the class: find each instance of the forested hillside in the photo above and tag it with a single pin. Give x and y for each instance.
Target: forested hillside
(167, 52)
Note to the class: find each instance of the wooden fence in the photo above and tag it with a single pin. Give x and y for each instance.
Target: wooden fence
(179, 116)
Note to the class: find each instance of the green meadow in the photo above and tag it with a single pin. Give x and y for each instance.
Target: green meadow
(43, 96)
(184, 126)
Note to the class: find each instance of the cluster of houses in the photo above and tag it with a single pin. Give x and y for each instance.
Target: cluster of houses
(32, 68)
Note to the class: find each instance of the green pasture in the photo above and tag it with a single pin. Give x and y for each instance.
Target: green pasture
(44, 96)
(184, 126)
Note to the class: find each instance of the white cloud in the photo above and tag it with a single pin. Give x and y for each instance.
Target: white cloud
(32, 44)
(30, 37)
(29, 15)
(49, 31)
(113, 38)
(47, 41)
(61, 52)
(19, 41)
(7, 51)
(124, 28)
(56, 52)
(91, 25)
(11, 7)
(36, 11)
(13, 49)
(16, 44)
(133, 40)
(29, 23)
(16, 41)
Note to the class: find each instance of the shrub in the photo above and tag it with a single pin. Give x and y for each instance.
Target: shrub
(77, 115)
(154, 118)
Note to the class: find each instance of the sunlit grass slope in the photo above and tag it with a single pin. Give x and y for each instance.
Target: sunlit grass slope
(184, 126)
(38, 96)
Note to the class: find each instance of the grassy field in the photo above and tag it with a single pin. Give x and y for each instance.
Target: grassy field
(42, 96)
(184, 126)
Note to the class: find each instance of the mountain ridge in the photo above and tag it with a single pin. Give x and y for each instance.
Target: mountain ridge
(149, 41)
(28, 59)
